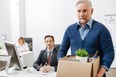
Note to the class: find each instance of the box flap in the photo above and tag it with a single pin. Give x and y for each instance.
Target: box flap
(95, 67)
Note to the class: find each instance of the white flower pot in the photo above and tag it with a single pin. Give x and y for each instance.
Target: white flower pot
(81, 59)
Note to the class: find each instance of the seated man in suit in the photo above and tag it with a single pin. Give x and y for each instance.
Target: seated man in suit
(47, 59)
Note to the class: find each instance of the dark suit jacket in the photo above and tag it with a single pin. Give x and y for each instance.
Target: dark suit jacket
(42, 59)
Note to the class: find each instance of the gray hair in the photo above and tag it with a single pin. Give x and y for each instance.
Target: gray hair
(84, 1)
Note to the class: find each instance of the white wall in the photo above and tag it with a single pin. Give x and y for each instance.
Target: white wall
(22, 17)
(12, 19)
(5, 24)
(15, 20)
(53, 16)
(48, 17)
(9, 20)
(102, 7)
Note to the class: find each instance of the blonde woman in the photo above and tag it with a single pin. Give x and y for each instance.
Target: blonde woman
(22, 45)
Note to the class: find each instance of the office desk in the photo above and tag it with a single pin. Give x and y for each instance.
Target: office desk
(3, 52)
(28, 73)
(27, 57)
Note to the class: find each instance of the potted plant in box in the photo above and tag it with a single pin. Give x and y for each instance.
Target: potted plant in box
(81, 55)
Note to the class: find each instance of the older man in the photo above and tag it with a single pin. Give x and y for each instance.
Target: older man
(90, 35)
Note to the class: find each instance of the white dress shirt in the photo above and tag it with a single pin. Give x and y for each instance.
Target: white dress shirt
(23, 47)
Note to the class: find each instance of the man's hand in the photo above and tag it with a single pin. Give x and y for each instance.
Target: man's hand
(101, 72)
(45, 69)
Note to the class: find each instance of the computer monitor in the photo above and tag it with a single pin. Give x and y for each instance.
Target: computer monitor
(15, 59)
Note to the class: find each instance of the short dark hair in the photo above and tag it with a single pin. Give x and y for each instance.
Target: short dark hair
(49, 36)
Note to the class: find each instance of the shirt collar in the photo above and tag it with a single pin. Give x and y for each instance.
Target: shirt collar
(89, 23)
(50, 50)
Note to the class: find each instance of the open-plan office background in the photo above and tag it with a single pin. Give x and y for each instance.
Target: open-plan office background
(37, 18)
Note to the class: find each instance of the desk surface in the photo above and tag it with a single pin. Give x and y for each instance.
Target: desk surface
(4, 52)
(29, 72)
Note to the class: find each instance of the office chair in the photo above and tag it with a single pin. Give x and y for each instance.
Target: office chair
(57, 46)
(29, 41)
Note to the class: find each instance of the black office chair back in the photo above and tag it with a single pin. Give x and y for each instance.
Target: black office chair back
(57, 46)
(29, 41)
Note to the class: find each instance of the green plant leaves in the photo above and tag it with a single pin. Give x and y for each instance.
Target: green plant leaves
(81, 53)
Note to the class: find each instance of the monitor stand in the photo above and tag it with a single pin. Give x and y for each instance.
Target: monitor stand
(11, 70)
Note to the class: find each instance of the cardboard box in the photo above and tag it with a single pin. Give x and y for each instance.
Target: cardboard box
(69, 67)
